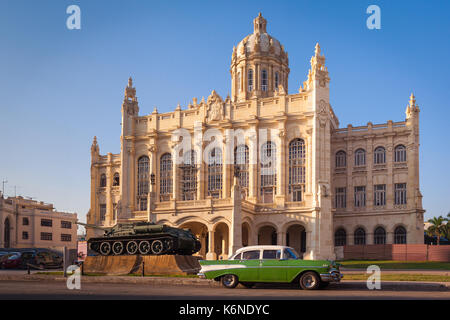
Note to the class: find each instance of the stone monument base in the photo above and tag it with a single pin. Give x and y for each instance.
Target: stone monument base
(152, 265)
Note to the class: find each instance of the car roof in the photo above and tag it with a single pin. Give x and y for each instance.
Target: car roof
(262, 247)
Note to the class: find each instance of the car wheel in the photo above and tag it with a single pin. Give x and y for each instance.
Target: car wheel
(229, 281)
(248, 285)
(309, 281)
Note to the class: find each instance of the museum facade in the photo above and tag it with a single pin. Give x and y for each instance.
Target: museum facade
(262, 166)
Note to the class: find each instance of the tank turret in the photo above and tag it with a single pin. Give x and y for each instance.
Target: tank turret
(143, 238)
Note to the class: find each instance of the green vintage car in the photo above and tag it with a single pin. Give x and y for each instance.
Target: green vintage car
(250, 265)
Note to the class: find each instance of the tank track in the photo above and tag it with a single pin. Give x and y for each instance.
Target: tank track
(134, 245)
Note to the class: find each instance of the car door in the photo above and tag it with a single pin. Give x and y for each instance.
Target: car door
(273, 268)
(250, 262)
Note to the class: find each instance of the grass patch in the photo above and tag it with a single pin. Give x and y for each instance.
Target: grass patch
(401, 277)
(396, 265)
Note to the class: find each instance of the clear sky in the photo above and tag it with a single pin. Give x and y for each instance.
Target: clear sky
(59, 88)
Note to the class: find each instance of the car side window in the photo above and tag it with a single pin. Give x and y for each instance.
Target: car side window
(238, 257)
(250, 255)
(271, 254)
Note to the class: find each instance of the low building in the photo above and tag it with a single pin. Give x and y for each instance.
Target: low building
(34, 224)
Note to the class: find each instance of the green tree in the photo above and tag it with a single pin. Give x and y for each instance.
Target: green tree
(438, 227)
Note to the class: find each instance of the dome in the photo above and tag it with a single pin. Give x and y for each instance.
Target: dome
(259, 41)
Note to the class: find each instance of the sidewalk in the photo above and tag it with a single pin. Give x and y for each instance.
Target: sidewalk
(174, 281)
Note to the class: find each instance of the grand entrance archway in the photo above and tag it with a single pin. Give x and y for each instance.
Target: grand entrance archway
(7, 234)
(296, 238)
(201, 232)
(221, 240)
(267, 235)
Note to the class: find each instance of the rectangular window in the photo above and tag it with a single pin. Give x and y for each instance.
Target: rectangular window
(66, 224)
(46, 222)
(360, 196)
(25, 235)
(66, 237)
(400, 193)
(341, 198)
(379, 198)
(25, 221)
(102, 212)
(46, 236)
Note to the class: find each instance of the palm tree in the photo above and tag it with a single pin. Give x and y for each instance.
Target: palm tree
(438, 228)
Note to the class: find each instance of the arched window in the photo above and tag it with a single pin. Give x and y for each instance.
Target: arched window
(142, 182)
(241, 160)
(360, 157)
(264, 80)
(400, 235)
(400, 153)
(165, 177)
(189, 176)
(340, 237)
(103, 181)
(215, 173)
(277, 80)
(341, 159)
(250, 80)
(379, 236)
(297, 169)
(268, 171)
(360, 236)
(116, 180)
(379, 155)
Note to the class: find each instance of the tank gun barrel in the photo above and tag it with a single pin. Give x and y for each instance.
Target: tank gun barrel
(93, 226)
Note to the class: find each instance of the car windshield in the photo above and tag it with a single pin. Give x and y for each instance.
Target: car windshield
(290, 253)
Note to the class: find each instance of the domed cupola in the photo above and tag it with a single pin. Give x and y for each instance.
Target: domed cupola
(259, 65)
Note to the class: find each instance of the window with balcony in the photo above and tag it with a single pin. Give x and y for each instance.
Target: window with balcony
(189, 176)
(341, 198)
(215, 173)
(297, 169)
(360, 196)
(165, 177)
(400, 193)
(379, 198)
(143, 182)
(268, 171)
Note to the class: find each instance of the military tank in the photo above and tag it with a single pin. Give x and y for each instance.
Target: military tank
(143, 238)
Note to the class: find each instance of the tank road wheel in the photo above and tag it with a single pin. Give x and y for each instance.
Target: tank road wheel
(144, 247)
(157, 247)
(105, 248)
(117, 248)
(132, 247)
(168, 244)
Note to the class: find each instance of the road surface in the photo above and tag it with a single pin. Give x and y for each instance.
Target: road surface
(58, 290)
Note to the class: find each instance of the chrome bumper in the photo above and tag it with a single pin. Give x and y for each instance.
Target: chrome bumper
(332, 276)
(201, 275)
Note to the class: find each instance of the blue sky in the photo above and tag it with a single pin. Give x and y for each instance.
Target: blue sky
(61, 87)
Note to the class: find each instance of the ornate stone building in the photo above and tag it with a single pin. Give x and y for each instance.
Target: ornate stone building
(302, 180)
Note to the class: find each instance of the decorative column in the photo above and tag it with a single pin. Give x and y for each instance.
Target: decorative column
(109, 205)
(253, 166)
(211, 255)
